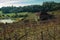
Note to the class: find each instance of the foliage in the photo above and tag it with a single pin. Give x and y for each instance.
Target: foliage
(46, 6)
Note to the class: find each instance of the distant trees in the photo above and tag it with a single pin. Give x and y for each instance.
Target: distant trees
(32, 8)
(8, 9)
(46, 6)
(50, 6)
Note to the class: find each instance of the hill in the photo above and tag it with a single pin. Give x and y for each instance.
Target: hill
(32, 30)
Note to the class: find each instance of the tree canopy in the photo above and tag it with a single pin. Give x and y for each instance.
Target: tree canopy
(46, 6)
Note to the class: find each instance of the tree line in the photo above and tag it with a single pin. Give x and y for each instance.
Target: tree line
(46, 6)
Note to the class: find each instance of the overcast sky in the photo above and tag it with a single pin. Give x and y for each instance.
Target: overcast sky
(23, 2)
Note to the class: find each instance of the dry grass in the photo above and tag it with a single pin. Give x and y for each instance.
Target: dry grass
(46, 30)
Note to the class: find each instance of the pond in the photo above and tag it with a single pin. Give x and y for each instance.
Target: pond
(6, 21)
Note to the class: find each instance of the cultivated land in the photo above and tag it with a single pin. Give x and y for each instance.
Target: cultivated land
(31, 30)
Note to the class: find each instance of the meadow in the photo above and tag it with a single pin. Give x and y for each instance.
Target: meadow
(30, 29)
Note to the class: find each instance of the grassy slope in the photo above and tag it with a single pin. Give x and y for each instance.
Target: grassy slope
(49, 30)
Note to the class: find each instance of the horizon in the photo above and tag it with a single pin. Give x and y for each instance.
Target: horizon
(17, 3)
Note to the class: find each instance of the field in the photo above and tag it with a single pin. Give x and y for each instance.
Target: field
(32, 30)
(18, 16)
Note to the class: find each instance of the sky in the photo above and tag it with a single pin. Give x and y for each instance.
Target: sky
(18, 3)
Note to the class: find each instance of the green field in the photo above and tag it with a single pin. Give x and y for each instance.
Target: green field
(30, 15)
